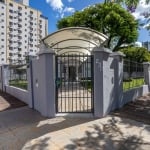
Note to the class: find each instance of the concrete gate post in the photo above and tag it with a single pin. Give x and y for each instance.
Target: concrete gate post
(47, 57)
(101, 58)
(118, 79)
(4, 76)
(147, 73)
(42, 97)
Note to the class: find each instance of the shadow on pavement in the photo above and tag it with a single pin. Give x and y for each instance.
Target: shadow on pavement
(9, 102)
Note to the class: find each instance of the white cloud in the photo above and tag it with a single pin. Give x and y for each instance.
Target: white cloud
(141, 8)
(58, 6)
(67, 10)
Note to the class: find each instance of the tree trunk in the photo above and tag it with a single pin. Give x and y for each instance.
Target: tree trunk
(118, 44)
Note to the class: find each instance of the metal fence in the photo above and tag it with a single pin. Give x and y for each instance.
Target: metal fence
(18, 75)
(133, 74)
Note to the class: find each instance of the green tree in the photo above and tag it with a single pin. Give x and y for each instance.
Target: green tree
(138, 54)
(131, 6)
(110, 19)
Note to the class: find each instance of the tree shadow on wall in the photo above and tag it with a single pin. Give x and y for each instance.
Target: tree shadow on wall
(107, 137)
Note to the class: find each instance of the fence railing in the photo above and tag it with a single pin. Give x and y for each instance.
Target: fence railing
(133, 74)
(18, 75)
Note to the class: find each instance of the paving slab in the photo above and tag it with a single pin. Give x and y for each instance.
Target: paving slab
(31, 131)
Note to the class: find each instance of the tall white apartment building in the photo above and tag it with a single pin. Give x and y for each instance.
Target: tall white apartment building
(21, 29)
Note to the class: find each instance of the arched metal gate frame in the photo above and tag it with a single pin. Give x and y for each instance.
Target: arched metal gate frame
(74, 67)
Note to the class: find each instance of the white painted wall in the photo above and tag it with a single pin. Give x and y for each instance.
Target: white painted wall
(21, 94)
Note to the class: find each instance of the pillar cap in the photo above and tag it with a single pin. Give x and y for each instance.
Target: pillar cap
(114, 54)
(44, 49)
(102, 49)
(146, 63)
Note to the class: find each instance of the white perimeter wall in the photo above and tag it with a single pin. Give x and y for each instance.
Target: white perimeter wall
(21, 94)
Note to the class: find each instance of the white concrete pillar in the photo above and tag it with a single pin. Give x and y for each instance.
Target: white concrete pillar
(44, 82)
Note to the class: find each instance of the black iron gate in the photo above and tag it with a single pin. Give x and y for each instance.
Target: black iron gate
(74, 83)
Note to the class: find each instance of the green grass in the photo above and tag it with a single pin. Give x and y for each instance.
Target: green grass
(128, 84)
(87, 84)
(19, 83)
(131, 83)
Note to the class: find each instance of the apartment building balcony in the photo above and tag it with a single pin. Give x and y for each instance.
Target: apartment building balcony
(19, 49)
(30, 15)
(10, 48)
(10, 34)
(10, 24)
(19, 26)
(10, 43)
(31, 18)
(10, 29)
(19, 39)
(31, 40)
(19, 45)
(31, 29)
(19, 19)
(19, 14)
(31, 23)
(19, 31)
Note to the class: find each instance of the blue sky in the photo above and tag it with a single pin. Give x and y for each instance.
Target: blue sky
(56, 9)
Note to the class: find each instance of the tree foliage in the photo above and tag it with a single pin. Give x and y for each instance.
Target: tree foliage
(138, 54)
(110, 19)
(131, 6)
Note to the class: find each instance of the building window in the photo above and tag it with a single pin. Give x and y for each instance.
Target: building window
(2, 26)
(10, 23)
(10, 4)
(2, 59)
(19, 19)
(19, 8)
(20, 14)
(10, 54)
(2, 7)
(31, 45)
(11, 17)
(2, 39)
(2, 33)
(10, 10)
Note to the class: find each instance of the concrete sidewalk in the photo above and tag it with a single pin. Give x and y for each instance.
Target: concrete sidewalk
(26, 129)
(9, 102)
